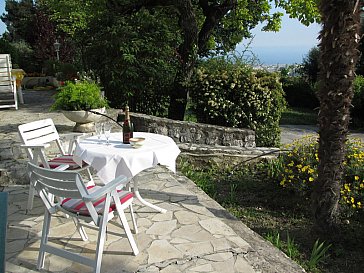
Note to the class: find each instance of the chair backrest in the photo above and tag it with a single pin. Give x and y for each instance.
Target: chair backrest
(5, 70)
(39, 132)
(51, 183)
(61, 184)
(7, 83)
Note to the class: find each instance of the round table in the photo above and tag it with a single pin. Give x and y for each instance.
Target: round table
(111, 161)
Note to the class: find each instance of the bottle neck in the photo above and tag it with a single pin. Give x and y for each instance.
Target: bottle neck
(127, 116)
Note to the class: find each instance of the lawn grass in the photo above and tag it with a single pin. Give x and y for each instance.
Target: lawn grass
(268, 209)
(294, 116)
(299, 116)
(305, 116)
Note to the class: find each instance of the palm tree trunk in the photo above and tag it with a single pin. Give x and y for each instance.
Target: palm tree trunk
(338, 57)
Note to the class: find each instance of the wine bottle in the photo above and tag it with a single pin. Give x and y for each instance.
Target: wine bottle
(127, 127)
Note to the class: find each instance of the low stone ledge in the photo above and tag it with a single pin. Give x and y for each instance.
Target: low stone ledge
(192, 132)
(30, 82)
(205, 155)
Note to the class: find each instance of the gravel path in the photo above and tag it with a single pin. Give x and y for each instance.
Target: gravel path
(292, 132)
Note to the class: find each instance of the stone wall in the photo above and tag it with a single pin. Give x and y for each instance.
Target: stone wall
(192, 132)
(31, 82)
(205, 144)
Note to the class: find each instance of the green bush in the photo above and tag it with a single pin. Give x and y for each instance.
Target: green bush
(81, 95)
(22, 55)
(358, 99)
(299, 93)
(63, 71)
(232, 94)
(297, 170)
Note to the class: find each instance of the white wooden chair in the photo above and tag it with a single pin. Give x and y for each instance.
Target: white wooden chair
(38, 135)
(96, 204)
(8, 90)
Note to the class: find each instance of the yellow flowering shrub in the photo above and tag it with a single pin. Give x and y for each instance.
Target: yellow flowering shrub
(352, 190)
(298, 169)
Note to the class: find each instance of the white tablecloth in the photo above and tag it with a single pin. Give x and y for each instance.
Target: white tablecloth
(122, 159)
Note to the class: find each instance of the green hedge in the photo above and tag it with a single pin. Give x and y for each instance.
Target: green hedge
(299, 93)
(233, 94)
(358, 99)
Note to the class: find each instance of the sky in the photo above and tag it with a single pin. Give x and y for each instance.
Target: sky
(2, 10)
(288, 46)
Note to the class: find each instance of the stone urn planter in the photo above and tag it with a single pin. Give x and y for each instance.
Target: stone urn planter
(85, 121)
(73, 97)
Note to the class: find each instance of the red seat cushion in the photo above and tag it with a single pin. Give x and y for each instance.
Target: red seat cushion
(62, 160)
(78, 206)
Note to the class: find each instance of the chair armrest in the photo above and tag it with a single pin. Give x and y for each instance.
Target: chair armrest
(35, 146)
(118, 181)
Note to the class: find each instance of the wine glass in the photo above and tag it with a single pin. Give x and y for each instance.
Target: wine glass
(99, 128)
(107, 131)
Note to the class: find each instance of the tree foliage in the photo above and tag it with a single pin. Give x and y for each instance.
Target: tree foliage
(360, 65)
(30, 25)
(138, 63)
(306, 12)
(20, 20)
(310, 65)
(205, 28)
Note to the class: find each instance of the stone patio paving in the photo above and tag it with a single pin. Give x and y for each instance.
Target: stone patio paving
(188, 238)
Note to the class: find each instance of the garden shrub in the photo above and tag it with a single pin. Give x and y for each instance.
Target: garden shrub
(232, 94)
(358, 99)
(310, 65)
(297, 169)
(299, 93)
(81, 95)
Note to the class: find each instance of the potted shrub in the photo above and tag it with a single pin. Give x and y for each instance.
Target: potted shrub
(75, 99)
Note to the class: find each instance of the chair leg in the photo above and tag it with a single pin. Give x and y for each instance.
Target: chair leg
(80, 229)
(102, 235)
(44, 239)
(91, 181)
(128, 232)
(30, 198)
(15, 97)
(124, 222)
(133, 219)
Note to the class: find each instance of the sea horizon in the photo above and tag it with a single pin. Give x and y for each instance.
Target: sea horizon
(285, 55)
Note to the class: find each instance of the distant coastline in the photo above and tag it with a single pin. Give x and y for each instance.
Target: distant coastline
(277, 55)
